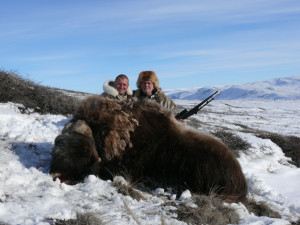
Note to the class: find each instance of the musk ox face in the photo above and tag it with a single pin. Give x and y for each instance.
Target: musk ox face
(145, 139)
(71, 157)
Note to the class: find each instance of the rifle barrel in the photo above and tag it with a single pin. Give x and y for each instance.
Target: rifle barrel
(185, 114)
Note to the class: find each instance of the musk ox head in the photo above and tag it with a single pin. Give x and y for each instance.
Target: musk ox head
(71, 157)
(74, 155)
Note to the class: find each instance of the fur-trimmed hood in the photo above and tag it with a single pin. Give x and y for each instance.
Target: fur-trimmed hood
(108, 88)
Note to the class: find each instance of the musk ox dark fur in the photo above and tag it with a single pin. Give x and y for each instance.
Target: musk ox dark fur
(144, 139)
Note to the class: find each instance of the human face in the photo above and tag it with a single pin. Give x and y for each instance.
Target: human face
(147, 87)
(121, 85)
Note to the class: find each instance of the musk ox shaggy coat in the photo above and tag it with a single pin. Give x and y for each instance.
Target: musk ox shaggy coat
(144, 139)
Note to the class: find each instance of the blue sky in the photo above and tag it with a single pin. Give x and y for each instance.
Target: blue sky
(78, 45)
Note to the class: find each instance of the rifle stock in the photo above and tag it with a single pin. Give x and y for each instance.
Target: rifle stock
(184, 114)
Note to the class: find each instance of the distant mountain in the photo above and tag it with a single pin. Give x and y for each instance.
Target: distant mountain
(287, 88)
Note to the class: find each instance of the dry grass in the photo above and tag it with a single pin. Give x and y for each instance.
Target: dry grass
(290, 145)
(2, 223)
(125, 187)
(209, 210)
(296, 222)
(234, 142)
(261, 209)
(193, 122)
(131, 213)
(82, 219)
(14, 88)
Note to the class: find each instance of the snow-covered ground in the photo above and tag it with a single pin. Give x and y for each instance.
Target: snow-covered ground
(28, 195)
(286, 88)
(279, 116)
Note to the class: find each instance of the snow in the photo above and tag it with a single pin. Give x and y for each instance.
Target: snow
(280, 116)
(276, 89)
(28, 195)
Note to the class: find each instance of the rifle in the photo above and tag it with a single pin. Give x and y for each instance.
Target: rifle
(185, 114)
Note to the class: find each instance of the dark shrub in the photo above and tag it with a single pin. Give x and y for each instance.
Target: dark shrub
(296, 222)
(16, 89)
(82, 218)
(193, 122)
(261, 209)
(290, 145)
(210, 210)
(234, 142)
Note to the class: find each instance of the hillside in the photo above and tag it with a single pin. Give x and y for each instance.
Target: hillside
(275, 89)
(36, 97)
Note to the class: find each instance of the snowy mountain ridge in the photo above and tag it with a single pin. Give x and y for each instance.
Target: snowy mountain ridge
(287, 88)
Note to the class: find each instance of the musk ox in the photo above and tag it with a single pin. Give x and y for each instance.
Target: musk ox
(144, 139)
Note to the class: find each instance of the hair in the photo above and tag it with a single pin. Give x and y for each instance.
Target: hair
(121, 76)
(149, 142)
(148, 75)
